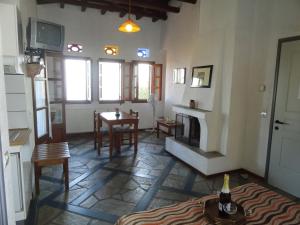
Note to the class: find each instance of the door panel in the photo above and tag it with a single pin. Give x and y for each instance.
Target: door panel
(41, 116)
(40, 107)
(294, 85)
(284, 168)
(290, 154)
(40, 95)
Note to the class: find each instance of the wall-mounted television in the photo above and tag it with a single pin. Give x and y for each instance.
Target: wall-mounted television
(45, 35)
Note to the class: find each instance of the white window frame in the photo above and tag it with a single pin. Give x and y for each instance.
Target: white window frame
(100, 80)
(89, 92)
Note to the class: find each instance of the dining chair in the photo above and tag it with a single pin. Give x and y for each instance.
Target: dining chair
(95, 120)
(99, 132)
(120, 131)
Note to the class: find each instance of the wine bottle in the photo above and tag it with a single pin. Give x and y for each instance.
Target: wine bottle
(225, 197)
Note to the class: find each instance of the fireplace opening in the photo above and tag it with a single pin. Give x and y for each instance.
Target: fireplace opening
(187, 129)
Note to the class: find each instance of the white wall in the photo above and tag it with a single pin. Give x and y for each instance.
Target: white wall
(240, 39)
(273, 19)
(93, 31)
(26, 9)
(208, 33)
(5, 143)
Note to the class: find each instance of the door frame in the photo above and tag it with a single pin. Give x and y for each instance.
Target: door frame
(3, 210)
(279, 47)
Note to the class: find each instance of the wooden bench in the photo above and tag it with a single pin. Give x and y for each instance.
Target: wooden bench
(50, 154)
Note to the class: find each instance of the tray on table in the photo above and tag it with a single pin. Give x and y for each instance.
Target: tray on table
(211, 211)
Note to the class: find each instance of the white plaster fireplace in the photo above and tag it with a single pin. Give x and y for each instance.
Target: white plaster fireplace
(210, 130)
(206, 157)
(201, 116)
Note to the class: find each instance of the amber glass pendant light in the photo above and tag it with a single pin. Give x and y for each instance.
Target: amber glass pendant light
(129, 26)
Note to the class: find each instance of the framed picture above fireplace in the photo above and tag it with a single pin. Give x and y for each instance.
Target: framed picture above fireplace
(201, 76)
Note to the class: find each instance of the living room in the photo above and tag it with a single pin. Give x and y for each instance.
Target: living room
(240, 44)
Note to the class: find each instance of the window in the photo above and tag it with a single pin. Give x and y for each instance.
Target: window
(74, 47)
(78, 79)
(128, 81)
(110, 81)
(111, 50)
(142, 81)
(143, 52)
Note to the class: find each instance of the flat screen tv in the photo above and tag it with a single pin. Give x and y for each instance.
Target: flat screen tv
(45, 35)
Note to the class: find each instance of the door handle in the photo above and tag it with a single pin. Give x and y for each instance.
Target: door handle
(280, 122)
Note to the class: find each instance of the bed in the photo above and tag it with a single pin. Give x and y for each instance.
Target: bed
(265, 205)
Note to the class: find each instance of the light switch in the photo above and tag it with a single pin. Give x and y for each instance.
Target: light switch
(264, 114)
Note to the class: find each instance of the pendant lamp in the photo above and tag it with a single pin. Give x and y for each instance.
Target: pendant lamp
(129, 26)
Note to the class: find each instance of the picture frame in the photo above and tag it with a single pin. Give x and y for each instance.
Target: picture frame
(201, 76)
(179, 75)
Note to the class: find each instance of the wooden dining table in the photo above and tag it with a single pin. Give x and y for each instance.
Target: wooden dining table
(111, 119)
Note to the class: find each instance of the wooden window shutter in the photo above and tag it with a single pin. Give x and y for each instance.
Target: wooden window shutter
(127, 81)
(135, 82)
(156, 87)
(100, 81)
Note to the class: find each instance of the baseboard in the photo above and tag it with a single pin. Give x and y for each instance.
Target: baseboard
(91, 133)
(242, 170)
(81, 134)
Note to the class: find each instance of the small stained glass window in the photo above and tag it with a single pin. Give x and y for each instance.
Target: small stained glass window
(111, 50)
(143, 52)
(74, 47)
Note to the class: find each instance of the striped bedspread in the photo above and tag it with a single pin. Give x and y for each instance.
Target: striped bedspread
(268, 207)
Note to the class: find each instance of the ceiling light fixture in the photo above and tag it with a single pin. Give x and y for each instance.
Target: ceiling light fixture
(129, 26)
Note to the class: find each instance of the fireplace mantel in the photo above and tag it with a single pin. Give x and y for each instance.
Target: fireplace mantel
(199, 113)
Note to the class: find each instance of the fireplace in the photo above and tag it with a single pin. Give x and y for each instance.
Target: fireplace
(187, 129)
(197, 140)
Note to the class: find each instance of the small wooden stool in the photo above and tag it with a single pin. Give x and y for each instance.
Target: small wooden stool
(164, 123)
(50, 154)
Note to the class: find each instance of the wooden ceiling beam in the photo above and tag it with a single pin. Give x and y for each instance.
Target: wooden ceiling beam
(188, 1)
(148, 5)
(105, 5)
(122, 14)
(105, 2)
(84, 5)
(138, 16)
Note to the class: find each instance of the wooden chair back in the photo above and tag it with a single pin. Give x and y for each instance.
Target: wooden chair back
(95, 118)
(134, 113)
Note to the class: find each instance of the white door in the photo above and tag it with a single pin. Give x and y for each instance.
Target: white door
(284, 170)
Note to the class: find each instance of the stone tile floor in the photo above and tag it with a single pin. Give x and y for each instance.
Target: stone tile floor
(102, 190)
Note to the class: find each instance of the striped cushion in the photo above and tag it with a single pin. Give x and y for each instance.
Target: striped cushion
(268, 207)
